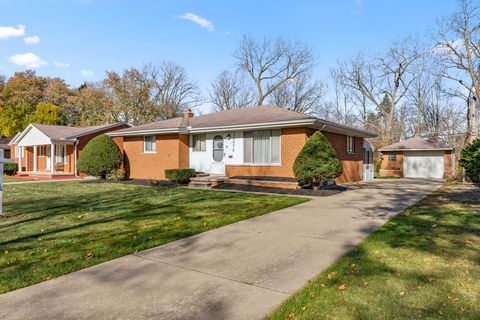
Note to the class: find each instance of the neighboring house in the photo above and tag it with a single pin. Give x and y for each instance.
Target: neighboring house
(54, 150)
(254, 141)
(418, 158)
(4, 144)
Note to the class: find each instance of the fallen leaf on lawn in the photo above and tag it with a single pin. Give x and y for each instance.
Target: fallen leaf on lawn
(397, 274)
(6, 251)
(466, 271)
(312, 294)
(430, 279)
(342, 287)
(366, 283)
(303, 309)
(324, 286)
(434, 226)
(402, 293)
(453, 299)
(291, 315)
(331, 275)
(89, 256)
(420, 287)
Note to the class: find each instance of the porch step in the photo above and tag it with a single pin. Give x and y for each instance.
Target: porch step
(201, 174)
(206, 182)
(264, 183)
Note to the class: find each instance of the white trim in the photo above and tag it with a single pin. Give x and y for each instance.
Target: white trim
(75, 158)
(35, 152)
(154, 144)
(52, 158)
(406, 150)
(106, 127)
(146, 132)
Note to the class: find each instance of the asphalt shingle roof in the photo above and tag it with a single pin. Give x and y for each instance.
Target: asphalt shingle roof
(416, 143)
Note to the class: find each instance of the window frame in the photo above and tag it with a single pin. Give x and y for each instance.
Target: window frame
(351, 144)
(392, 157)
(270, 154)
(42, 150)
(154, 149)
(204, 145)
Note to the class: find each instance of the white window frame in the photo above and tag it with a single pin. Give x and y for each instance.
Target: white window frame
(19, 152)
(392, 157)
(42, 150)
(63, 157)
(252, 163)
(350, 144)
(154, 150)
(201, 135)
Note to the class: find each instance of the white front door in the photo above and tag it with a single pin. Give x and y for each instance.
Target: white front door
(368, 171)
(423, 164)
(218, 155)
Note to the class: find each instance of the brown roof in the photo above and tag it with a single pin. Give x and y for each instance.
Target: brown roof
(64, 132)
(416, 143)
(4, 143)
(240, 117)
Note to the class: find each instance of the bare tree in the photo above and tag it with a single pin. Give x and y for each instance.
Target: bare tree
(271, 64)
(300, 94)
(458, 45)
(386, 76)
(173, 91)
(229, 91)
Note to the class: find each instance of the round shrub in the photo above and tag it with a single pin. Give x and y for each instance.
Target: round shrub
(10, 168)
(180, 176)
(100, 157)
(470, 161)
(317, 161)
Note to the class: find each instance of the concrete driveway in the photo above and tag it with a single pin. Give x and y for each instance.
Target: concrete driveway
(240, 271)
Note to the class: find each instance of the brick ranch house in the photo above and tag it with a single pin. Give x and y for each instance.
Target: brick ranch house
(260, 141)
(53, 150)
(418, 158)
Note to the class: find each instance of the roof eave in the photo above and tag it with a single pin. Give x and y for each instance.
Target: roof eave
(416, 149)
(120, 133)
(338, 128)
(255, 126)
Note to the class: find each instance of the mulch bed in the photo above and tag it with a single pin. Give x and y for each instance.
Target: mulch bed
(325, 192)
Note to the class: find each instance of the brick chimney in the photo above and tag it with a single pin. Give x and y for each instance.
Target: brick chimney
(188, 113)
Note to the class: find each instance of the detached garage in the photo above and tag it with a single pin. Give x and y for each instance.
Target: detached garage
(417, 158)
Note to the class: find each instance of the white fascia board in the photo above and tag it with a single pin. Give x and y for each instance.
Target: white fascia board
(101, 129)
(147, 132)
(256, 126)
(407, 150)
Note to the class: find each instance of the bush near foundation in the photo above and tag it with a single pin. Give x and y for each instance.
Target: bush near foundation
(317, 162)
(180, 176)
(100, 157)
(470, 161)
(10, 168)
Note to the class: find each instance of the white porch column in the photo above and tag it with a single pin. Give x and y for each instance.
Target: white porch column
(19, 155)
(52, 158)
(75, 157)
(35, 158)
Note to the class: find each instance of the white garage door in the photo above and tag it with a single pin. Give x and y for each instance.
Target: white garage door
(423, 164)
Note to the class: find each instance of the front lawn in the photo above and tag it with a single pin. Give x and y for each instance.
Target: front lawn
(51, 229)
(15, 179)
(423, 264)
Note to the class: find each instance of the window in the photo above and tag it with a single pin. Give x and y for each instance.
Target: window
(262, 146)
(199, 142)
(392, 157)
(41, 150)
(19, 152)
(350, 144)
(60, 153)
(149, 144)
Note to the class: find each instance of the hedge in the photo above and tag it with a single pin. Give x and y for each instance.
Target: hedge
(181, 176)
(100, 157)
(10, 168)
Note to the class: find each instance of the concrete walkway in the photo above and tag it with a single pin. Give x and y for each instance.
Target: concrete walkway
(240, 271)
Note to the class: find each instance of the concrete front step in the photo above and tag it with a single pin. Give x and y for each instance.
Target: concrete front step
(206, 182)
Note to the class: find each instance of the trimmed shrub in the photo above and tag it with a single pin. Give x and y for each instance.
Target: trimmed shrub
(180, 176)
(470, 161)
(10, 168)
(100, 157)
(317, 162)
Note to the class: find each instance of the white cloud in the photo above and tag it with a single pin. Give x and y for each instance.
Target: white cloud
(61, 64)
(86, 73)
(443, 48)
(31, 40)
(202, 22)
(9, 32)
(29, 60)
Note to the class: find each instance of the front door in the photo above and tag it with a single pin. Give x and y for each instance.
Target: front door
(218, 155)
(368, 170)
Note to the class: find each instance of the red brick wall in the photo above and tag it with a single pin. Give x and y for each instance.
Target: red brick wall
(392, 168)
(292, 141)
(171, 152)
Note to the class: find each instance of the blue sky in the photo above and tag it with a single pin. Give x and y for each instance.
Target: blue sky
(80, 39)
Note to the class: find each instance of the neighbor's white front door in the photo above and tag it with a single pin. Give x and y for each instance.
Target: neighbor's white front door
(423, 164)
(218, 155)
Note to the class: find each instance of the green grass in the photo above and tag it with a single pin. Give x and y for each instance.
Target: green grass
(423, 264)
(14, 179)
(51, 229)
